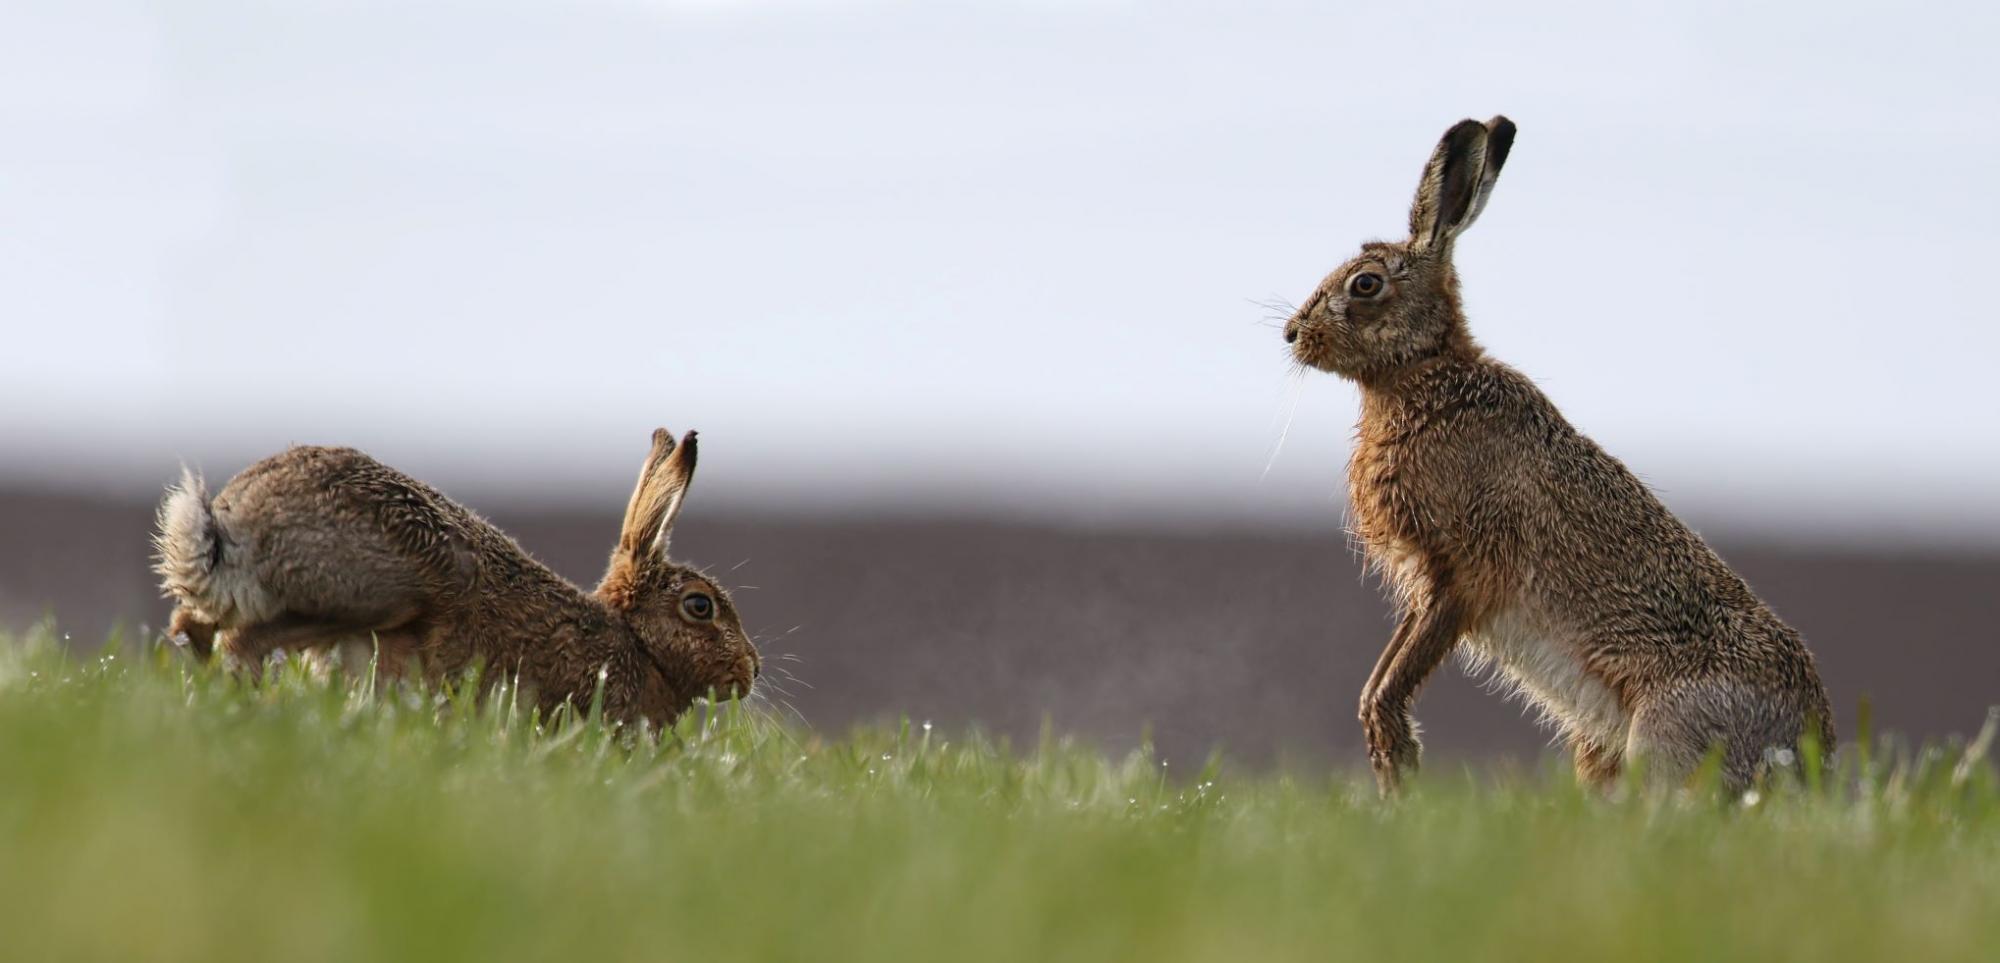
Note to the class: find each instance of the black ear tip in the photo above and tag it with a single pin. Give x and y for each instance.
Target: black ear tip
(1499, 141)
(1464, 132)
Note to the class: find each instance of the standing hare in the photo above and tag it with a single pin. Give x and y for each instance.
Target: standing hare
(1499, 526)
(314, 546)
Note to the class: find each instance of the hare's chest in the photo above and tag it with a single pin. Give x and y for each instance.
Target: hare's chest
(1385, 513)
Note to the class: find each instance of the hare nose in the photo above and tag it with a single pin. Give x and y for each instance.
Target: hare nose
(1291, 333)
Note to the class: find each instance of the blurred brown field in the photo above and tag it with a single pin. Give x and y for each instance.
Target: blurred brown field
(1255, 643)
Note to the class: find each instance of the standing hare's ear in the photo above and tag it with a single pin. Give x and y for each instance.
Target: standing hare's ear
(656, 501)
(1458, 180)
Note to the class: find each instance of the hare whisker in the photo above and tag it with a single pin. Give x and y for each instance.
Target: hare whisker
(796, 714)
(1297, 391)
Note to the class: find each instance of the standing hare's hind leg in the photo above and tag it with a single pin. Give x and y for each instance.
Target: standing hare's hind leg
(1676, 730)
(1597, 766)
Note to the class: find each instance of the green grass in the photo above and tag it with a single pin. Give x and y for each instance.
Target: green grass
(151, 811)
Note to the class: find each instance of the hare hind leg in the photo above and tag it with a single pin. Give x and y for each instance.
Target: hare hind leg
(247, 647)
(194, 631)
(1597, 765)
(1676, 730)
(383, 653)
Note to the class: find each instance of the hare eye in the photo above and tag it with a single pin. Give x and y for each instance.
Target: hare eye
(1365, 285)
(698, 606)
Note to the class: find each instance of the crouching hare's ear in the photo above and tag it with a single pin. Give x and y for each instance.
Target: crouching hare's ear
(657, 500)
(682, 620)
(1457, 182)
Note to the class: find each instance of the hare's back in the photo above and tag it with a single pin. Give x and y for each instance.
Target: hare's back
(332, 533)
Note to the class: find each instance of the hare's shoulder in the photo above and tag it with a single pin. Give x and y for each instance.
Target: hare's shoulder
(1450, 469)
(1453, 431)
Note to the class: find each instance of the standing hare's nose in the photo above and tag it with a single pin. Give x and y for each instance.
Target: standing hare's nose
(1291, 333)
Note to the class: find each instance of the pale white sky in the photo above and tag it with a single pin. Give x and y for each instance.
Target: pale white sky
(998, 254)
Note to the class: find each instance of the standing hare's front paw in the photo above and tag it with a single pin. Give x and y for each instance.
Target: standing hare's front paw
(1393, 749)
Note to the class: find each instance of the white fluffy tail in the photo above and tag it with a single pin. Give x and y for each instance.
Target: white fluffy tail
(187, 547)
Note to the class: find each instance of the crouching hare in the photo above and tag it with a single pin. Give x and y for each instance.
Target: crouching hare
(1505, 532)
(314, 547)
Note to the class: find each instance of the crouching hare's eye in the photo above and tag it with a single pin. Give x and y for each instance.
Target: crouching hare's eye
(697, 606)
(1365, 285)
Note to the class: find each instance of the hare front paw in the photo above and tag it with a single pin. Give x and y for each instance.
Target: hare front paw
(1393, 748)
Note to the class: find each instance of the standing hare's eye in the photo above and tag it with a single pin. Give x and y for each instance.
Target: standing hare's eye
(698, 606)
(1365, 285)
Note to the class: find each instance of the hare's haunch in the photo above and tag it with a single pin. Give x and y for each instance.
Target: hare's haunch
(316, 547)
(1507, 534)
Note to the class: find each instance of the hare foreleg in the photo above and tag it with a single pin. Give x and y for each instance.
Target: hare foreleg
(1427, 634)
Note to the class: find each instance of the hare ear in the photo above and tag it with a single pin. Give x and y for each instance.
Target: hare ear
(1499, 141)
(656, 500)
(1458, 180)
